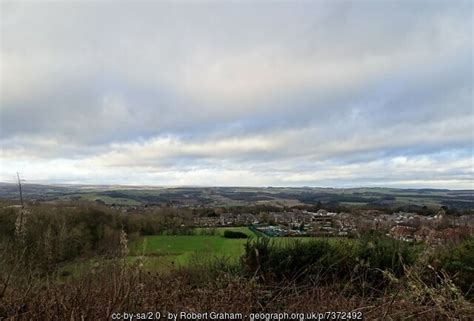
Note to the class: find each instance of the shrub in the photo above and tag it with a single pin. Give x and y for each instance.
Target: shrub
(380, 252)
(7, 223)
(235, 235)
(328, 260)
(294, 259)
(459, 263)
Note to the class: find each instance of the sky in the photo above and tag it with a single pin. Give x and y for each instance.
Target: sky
(323, 93)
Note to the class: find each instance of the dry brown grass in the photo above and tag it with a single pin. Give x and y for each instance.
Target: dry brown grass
(120, 288)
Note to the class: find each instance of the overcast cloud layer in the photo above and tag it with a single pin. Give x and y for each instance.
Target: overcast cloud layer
(249, 94)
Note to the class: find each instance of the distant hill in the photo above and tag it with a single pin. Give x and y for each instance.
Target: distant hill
(235, 196)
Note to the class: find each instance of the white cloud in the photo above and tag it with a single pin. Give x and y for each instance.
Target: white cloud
(237, 94)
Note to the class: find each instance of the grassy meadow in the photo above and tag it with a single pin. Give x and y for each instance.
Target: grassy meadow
(162, 252)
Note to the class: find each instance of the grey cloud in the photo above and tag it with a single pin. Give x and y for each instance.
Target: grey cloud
(235, 84)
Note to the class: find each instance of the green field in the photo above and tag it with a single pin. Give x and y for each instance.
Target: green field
(165, 252)
(109, 200)
(162, 252)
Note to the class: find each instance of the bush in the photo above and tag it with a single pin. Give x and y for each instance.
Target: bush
(295, 259)
(328, 260)
(7, 223)
(235, 235)
(459, 263)
(377, 251)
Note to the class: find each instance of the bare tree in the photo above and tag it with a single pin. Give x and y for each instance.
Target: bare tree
(20, 222)
(19, 187)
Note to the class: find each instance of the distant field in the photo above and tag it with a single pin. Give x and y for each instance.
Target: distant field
(241, 196)
(109, 200)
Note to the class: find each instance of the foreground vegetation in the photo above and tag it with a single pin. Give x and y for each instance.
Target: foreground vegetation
(384, 278)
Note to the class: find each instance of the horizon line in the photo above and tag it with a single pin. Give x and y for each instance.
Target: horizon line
(232, 186)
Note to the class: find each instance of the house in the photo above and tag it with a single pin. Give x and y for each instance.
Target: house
(403, 233)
